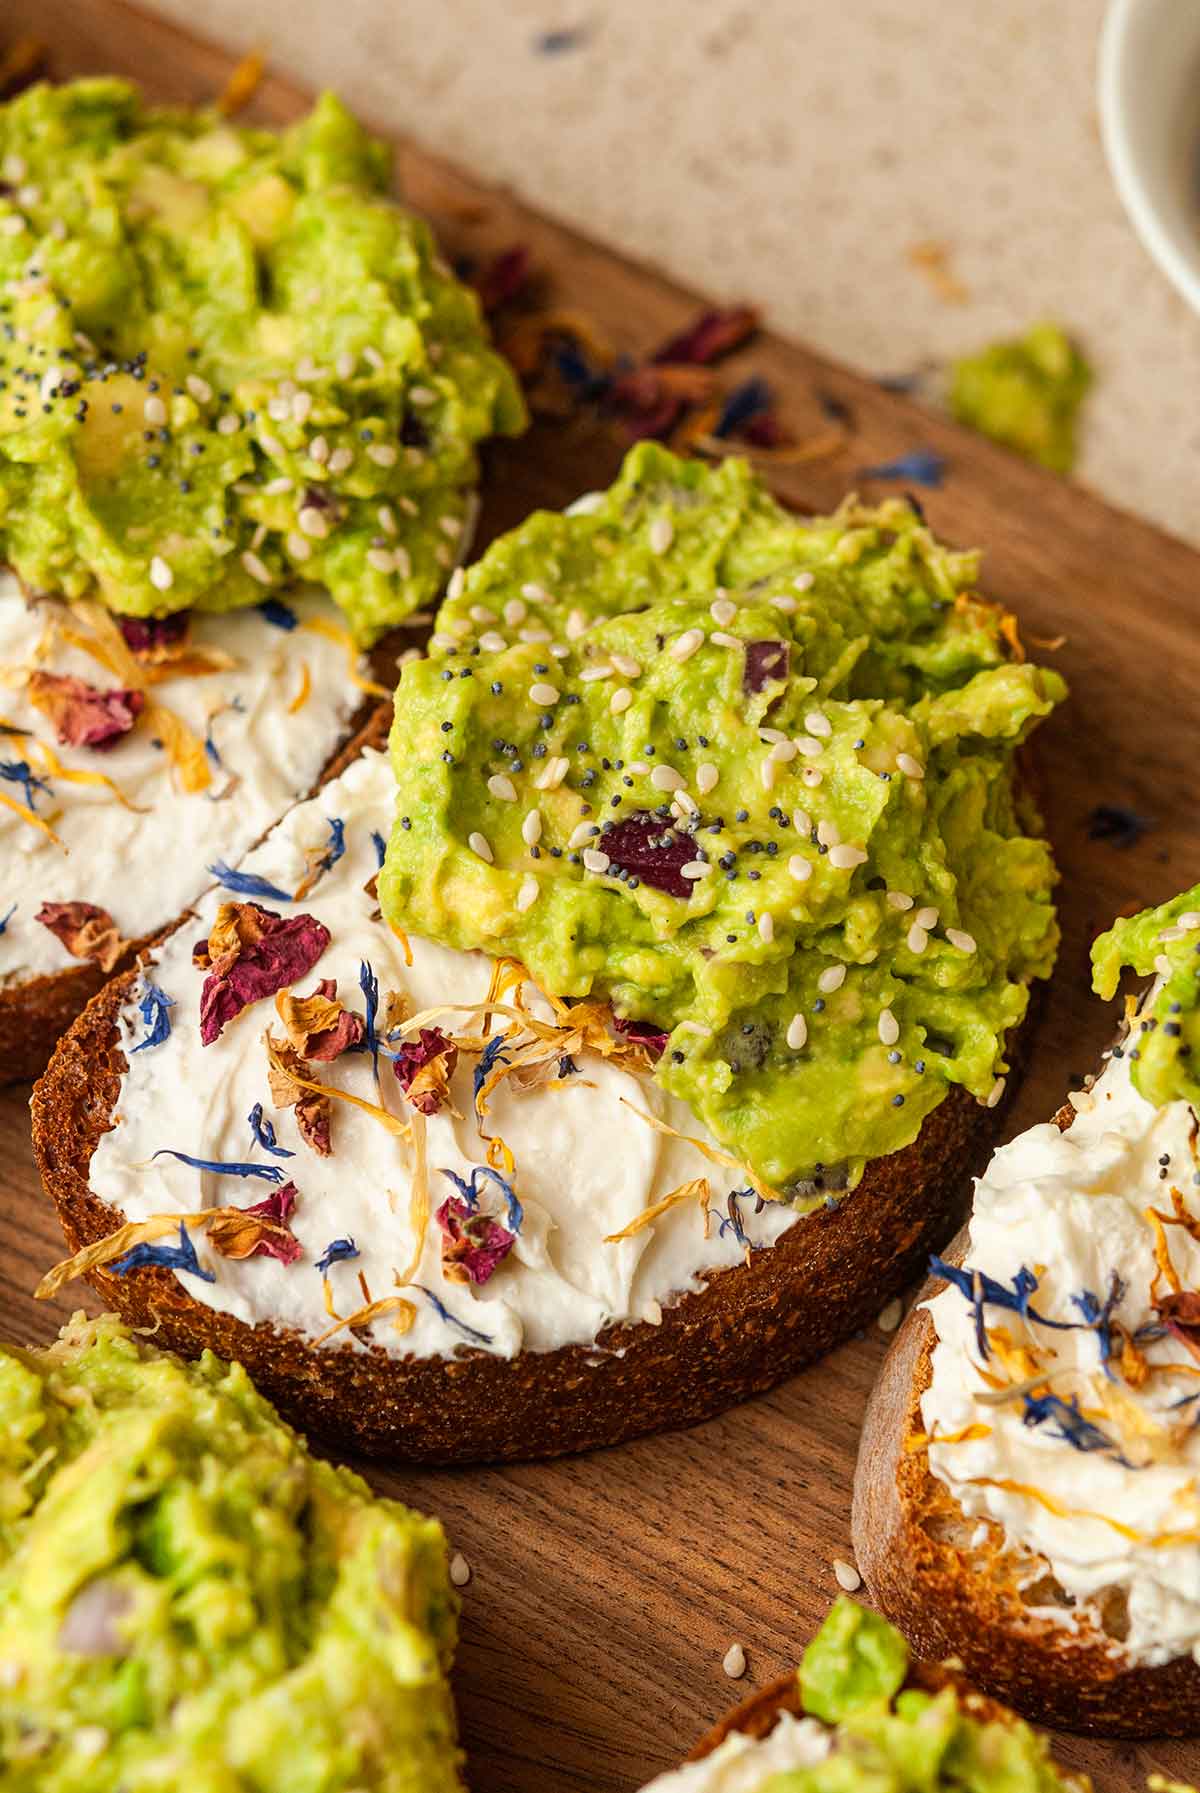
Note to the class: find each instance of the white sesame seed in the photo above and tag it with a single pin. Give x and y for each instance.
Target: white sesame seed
(766, 927)
(685, 804)
(720, 639)
(478, 613)
(767, 772)
(783, 751)
(279, 409)
(256, 569)
(275, 488)
(456, 581)
(582, 831)
(12, 225)
(528, 894)
(478, 843)
(271, 445)
(811, 776)
(560, 650)
(666, 778)
(387, 522)
(819, 725)
(926, 918)
(734, 1662)
(439, 638)
(515, 612)
(831, 979)
(594, 860)
(161, 576)
(801, 821)
(996, 1091)
(543, 694)
(535, 633)
(418, 395)
(302, 405)
(344, 365)
(154, 411)
(846, 1575)
(889, 1027)
(229, 424)
(460, 1568)
(797, 1033)
(694, 870)
(804, 581)
(591, 674)
(373, 358)
(313, 521)
(844, 859)
(14, 169)
(771, 734)
(537, 594)
(50, 382)
(910, 767)
(706, 777)
(531, 827)
(685, 645)
(891, 1316)
(899, 899)
(318, 450)
(491, 642)
(828, 832)
(961, 939)
(341, 460)
(552, 774)
(287, 389)
(383, 454)
(620, 700)
(800, 868)
(298, 546)
(661, 535)
(577, 625)
(809, 746)
(90, 1741)
(502, 787)
(722, 612)
(918, 939)
(1189, 920)
(627, 666)
(258, 538)
(781, 601)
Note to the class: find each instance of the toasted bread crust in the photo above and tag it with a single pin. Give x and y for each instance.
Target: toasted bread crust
(35, 1015)
(946, 1603)
(751, 1326)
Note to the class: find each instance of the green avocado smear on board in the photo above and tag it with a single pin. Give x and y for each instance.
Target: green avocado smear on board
(750, 777)
(1025, 393)
(1164, 1046)
(890, 1738)
(228, 361)
(189, 1600)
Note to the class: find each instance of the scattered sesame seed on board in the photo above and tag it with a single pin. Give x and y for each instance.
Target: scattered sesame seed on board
(460, 1570)
(846, 1575)
(734, 1662)
(891, 1315)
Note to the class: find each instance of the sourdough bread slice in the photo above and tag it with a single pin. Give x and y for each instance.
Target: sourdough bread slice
(959, 1588)
(718, 1324)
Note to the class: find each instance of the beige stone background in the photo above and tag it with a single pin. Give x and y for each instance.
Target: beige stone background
(792, 152)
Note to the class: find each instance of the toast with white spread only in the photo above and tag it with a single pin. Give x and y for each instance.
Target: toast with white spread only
(1028, 1489)
(524, 1205)
(859, 1714)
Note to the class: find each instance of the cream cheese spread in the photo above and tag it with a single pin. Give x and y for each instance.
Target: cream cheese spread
(587, 1164)
(1081, 1439)
(270, 719)
(744, 1764)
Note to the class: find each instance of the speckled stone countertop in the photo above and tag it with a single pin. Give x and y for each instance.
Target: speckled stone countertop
(793, 153)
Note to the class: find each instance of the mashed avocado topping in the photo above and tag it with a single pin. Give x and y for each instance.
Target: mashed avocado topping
(750, 777)
(228, 361)
(1025, 393)
(1164, 1049)
(892, 1739)
(188, 1599)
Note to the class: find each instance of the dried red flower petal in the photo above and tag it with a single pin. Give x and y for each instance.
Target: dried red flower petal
(313, 1111)
(261, 1230)
(85, 931)
(151, 637)
(503, 277)
(712, 335)
(253, 952)
(82, 714)
(653, 1038)
(424, 1067)
(1180, 1314)
(317, 1025)
(474, 1245)
(651, 850)
(767, 663)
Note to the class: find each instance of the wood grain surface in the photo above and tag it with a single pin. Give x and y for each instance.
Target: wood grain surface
(606, 1589)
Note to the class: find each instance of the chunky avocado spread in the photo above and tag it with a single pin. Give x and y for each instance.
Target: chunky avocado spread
(893, 1739)
(1025, 393)
(749, 776)
(228, 361)
(1164, 1044)
(189, 1600)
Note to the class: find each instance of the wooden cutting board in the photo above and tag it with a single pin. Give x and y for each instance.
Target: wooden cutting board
(607, 1589)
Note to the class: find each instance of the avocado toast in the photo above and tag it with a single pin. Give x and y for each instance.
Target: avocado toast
(858, 1715)
(239, 401)
(1028, 1480)
(520, 1220)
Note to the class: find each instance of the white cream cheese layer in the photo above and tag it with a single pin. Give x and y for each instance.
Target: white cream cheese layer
(745, 1764)
(144, 863)
(1072, 1208)
(586, 1163)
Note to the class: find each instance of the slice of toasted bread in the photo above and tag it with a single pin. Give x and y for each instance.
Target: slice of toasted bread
(954, 1588)
(750, 1326)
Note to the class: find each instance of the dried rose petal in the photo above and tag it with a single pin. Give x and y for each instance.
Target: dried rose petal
(149, 637)
(313, 1116)
(85, 931)
(651, 850)
(313, 1111)
(711, 335)
(317, 1025)
(653, 1038)
(424, 1067)
(1180, 1314)
(767, 663)
(82, 714)
(260, 1230)
(272, 951)
(474, 1244)
(503, 277)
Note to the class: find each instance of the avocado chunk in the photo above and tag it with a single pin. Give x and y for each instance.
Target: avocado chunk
(1164, 1045)
(751, 778)
(189, 1599)
(1025, 393)
(228, 361)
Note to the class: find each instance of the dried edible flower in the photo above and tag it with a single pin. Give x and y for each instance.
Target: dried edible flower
(286, 1076)
(152, 1006)
(259, 1231)
(264, 1133)
(653, 1038)
(181, 1257)
(766, 664)
(443, 1312)
(20, 772)
(923, 466)
(247, 883)
(250, 954)
(224, 1167)
(646, 848)
(153, 637)
(335, 1253)
(86, 931)
(318, 1026)
(474, 1245)
(273, 610)
(82, 714)
(424, 1067)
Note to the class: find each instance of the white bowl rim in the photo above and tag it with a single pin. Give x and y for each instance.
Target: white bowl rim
(1136, 195)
